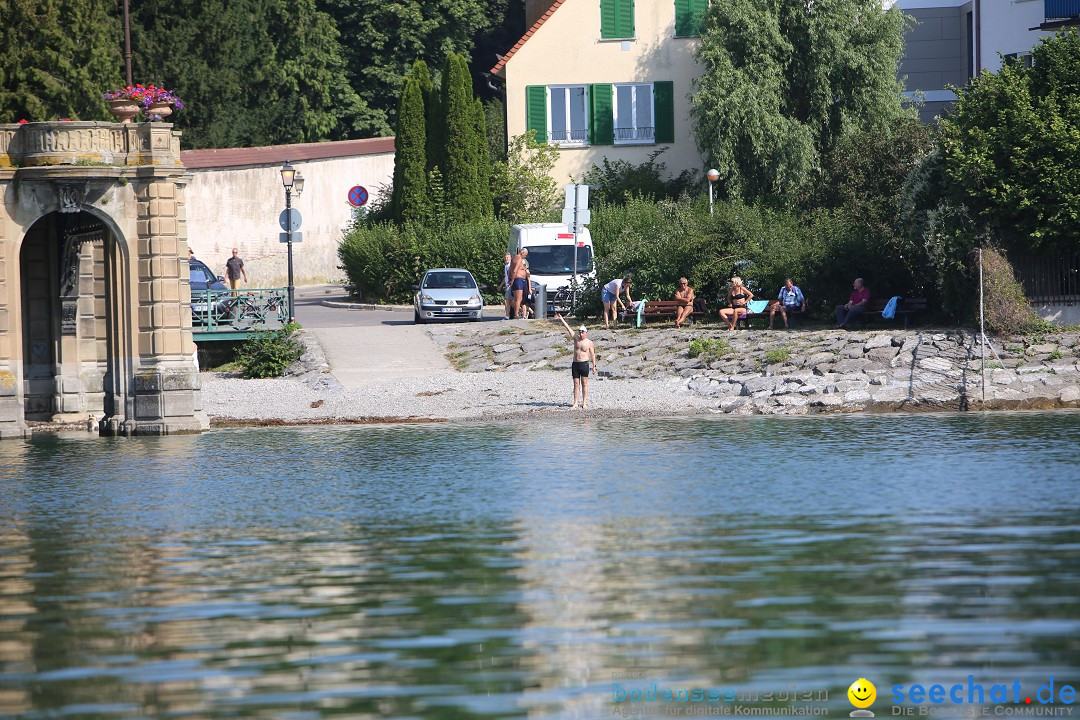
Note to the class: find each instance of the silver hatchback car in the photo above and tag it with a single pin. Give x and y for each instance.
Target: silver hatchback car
(448, 294)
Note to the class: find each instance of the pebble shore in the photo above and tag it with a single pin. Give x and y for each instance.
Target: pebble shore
(522, 369)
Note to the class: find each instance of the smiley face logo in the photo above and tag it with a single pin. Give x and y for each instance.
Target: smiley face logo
(862, 694)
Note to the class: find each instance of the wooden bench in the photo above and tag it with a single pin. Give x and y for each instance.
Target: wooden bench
(660, 309)
(905, 308)
(794, 316)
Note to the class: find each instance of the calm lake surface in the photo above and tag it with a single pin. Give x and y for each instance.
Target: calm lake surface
(535, 569)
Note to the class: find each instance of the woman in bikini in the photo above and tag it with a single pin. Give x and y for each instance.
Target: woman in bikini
(738, 296)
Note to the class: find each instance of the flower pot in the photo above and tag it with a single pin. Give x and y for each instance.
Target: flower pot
(157, 112)
(124, 109)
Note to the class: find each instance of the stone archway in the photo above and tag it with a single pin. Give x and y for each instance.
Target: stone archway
(95, 314)
(65, 330)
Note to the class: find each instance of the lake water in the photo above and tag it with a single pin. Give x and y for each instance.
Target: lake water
(537, 569)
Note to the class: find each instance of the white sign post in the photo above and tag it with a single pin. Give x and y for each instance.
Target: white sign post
(576, 214)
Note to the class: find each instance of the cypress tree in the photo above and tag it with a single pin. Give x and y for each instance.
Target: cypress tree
(410, 198)
(59, 57)
(483, 161)
(463, 200)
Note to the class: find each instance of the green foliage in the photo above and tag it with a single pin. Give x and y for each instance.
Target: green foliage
(709, 349)
(614, 182)
(1011, 147)
(411, 201)
(784, 80)
(383, 261)
(269, 354)
(58, 57)
(382, 39)
(251, 72)
(495, 125)
(523, 188)
(464, 182)
(1005, 308)
(777, 355)
(483, 161)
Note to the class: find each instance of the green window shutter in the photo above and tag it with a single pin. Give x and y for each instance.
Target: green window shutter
(602, 122)
(688, 15)
(607, 19)
(616, 19)
(536, 111)
(664, 107)
(625, 10)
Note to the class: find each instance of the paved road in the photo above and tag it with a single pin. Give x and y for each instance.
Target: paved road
(362, 345)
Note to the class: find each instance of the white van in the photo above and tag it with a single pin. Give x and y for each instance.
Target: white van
(551, 253)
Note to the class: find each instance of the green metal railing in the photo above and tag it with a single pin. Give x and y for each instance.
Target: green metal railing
(236, 314)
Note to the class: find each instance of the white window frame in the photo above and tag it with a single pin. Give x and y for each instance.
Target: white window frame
(634, 134)
(582, 139)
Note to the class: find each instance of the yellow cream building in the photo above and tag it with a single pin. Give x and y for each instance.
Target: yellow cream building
(606, 79)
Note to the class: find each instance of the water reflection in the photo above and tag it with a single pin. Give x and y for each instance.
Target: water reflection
(512, 571)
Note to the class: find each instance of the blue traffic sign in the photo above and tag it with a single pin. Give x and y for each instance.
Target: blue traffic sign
(358, 196)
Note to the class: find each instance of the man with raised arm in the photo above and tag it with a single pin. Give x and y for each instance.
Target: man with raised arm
(584, 354)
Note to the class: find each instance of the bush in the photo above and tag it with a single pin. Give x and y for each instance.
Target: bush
(383, 261)
(1006, 309)
(269, 354)
(617, 182)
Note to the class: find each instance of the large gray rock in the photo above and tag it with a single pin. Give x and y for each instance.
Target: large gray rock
(851, 365)
(878, 341)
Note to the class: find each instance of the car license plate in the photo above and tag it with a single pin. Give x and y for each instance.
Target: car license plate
(451, 309)
(198, 308)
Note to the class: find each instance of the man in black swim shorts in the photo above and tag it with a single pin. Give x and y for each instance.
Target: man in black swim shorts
(580, 368)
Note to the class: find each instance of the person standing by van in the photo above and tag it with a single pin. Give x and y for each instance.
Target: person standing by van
(610, 295)
(519, 279)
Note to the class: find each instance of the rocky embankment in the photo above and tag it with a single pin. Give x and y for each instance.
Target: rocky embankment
(796, 371)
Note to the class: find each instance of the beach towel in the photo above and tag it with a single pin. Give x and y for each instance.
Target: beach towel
(757, 306)
(890, 307)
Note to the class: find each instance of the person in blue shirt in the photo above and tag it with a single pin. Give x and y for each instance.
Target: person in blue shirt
(791, 299)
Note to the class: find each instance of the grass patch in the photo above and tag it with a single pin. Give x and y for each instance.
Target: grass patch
(709, 349)
(460, 359)
(230, 367)
(777, 355)
(1057, 354)
(508, 331)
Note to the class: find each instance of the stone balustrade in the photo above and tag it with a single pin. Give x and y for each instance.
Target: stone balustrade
(88, 143)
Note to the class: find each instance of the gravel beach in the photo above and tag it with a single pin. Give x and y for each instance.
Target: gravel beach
(508, 370)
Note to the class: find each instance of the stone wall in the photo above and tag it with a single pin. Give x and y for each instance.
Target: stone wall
(801, 372)
(238, 206)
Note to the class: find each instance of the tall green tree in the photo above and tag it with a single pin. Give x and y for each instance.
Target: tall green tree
(1011, 149)
(464, 197)
(58, 57)
(410, 200)
(784, 80)
(482, 158)
(382, 39)
(251, 72)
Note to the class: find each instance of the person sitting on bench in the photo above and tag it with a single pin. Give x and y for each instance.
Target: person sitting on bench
(856, 304)
(738, 296)
(685, 297)
(791, 300)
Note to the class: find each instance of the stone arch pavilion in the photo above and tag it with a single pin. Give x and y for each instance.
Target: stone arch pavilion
(95, 317)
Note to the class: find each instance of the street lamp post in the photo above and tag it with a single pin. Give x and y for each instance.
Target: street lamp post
(713, 175)
(290, 178)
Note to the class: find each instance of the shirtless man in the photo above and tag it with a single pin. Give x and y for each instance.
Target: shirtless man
(685, 297)
(519, 279)
(584, 353)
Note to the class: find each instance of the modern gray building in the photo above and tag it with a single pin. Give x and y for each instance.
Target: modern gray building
(955, 40)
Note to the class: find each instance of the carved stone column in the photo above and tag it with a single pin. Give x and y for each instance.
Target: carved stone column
(166, 387)
(12, 423)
